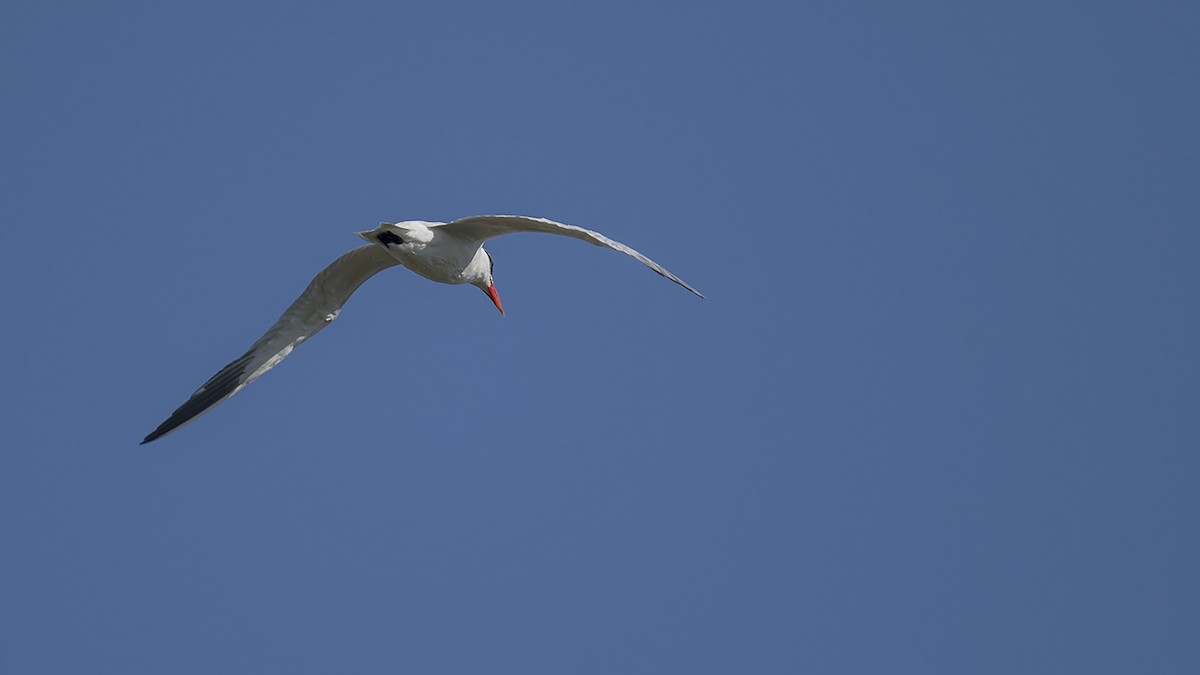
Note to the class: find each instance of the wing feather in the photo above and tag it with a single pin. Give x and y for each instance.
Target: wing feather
(316, 308)
(482, 228)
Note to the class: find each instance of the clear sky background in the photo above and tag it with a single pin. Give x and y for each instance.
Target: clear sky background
(938, 414)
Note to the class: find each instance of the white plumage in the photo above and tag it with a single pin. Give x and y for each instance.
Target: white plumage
(449, 253)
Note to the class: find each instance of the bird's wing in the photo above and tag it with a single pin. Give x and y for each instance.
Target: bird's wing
(316, 308)
(481, 228)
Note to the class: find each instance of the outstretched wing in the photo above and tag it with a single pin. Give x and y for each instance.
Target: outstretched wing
(316, 308)
(481, 228)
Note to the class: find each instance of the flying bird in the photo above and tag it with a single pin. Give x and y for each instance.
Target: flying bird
(449, 253)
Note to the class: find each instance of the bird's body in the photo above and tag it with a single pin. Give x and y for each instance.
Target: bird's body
(432, 251)
(449, 253)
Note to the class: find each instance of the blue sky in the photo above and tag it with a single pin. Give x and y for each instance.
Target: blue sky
(938, 414)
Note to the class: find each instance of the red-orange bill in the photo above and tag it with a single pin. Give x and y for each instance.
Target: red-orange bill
(491, 293)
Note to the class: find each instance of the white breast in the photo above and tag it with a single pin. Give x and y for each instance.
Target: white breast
(443, 259)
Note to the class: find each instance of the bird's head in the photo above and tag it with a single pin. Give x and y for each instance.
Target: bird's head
(480, 272)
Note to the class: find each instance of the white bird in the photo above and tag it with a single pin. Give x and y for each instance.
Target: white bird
(449, 253)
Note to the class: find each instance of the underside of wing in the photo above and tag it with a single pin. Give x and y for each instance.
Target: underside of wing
(316, 308)
(482, 228)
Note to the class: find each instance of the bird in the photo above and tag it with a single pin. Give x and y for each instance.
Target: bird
(448, 253)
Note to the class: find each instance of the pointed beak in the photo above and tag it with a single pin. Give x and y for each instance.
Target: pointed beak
(366, 236)
(491, 293)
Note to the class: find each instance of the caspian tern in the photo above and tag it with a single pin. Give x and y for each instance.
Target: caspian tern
(449, 253)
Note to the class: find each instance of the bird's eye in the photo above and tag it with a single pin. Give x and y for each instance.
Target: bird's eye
(389, 237)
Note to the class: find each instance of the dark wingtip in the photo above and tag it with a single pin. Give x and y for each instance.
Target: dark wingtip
(174, 422)
(217, 389)
(156, 434)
